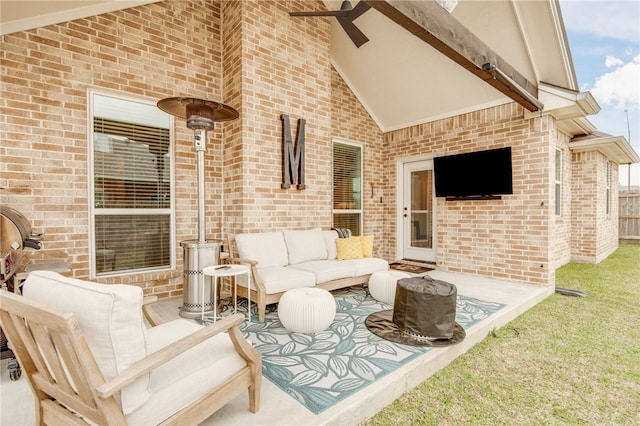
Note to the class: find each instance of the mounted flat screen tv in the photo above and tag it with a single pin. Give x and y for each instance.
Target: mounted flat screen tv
(482, 174)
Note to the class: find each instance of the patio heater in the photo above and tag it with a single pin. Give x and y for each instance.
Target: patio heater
(201, 116)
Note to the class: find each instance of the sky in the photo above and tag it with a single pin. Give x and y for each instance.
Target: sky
(604, 39)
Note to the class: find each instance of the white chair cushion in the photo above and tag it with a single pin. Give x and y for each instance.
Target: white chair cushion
(111, 320)
(304, 246)
(327, 270)
(277, 279)
(330, 244)
(266, 248)
(188, 376)
(368, 265)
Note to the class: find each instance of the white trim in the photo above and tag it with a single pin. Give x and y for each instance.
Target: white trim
(527, 43)
(91, 92)
(401, 163)
(359, 211)
(67, 11)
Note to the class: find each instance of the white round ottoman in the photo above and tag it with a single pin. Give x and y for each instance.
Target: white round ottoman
(306, 310)
(382, 285)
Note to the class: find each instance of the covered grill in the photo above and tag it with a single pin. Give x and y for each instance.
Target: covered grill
(16, 234)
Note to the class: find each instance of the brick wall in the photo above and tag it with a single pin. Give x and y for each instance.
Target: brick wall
(560, 238)
(249, 54)
(351, 122)
(283, 68)
(508, 238)
(594, 232)
(153, 51)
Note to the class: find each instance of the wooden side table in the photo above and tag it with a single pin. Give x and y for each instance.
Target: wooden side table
(220, 271)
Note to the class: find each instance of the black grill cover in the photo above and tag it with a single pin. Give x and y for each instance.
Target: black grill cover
(425, 308)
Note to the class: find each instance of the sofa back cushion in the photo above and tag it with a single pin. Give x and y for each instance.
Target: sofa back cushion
(330, 238)
(111, 320)
(305, 246)
(266, 248)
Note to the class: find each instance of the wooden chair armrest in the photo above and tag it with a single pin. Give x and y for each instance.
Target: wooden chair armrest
(238, 260)
(149, 312)
(165, 354)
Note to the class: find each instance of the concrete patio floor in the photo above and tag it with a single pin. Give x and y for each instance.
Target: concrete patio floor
(278, 408)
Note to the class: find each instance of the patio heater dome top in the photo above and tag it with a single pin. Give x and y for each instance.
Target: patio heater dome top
(199, 113)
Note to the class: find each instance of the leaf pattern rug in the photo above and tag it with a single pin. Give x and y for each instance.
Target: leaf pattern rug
(321, 369)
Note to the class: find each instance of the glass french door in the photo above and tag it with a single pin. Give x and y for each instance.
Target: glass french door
(418, 221)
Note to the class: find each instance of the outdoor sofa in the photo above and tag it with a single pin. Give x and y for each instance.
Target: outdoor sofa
(287, 259)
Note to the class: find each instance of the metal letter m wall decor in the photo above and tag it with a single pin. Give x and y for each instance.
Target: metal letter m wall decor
(293, 165)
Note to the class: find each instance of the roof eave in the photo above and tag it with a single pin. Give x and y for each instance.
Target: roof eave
(616, 148)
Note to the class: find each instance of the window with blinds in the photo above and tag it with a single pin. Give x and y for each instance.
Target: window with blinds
(558, 182)
(347, 186)
(131, 193)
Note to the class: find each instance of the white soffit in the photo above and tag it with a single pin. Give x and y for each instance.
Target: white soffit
(22, 15)
(615, 148)
(401, 80)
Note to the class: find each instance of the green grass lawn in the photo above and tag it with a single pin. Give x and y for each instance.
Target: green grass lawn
(569, 360)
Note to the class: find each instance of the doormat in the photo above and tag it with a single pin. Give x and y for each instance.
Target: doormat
(321, 369)
(406, 267)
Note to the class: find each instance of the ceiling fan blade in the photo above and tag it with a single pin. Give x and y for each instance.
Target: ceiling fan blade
(353, 32)
(360, 8)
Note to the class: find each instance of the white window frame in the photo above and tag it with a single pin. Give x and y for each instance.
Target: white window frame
(608, 187)
(558, 166)
(359, 211)
(93, 211)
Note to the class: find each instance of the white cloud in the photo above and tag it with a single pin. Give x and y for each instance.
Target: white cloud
(612, 61)
(614, 19)
(620, 87)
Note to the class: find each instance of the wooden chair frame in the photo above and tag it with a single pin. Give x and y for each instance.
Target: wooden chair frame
(65, 378)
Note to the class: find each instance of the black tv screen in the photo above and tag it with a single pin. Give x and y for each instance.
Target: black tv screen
(474, 174)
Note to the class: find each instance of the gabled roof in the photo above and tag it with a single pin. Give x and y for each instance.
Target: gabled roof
(403, 80)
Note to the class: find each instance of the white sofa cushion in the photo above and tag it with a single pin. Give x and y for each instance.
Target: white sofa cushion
(327, 270)
(189, 375)
(266, 248)
(280, 278)
(330, 244)
(304, 246)
(111, 320)
(368, 265)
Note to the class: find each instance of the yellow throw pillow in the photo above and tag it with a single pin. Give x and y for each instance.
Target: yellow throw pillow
(349, 248)
(366, 241)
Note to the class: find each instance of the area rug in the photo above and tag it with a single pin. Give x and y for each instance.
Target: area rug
(407, 267)
(321, 369)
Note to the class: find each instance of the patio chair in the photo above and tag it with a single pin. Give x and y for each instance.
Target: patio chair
(88, 356)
